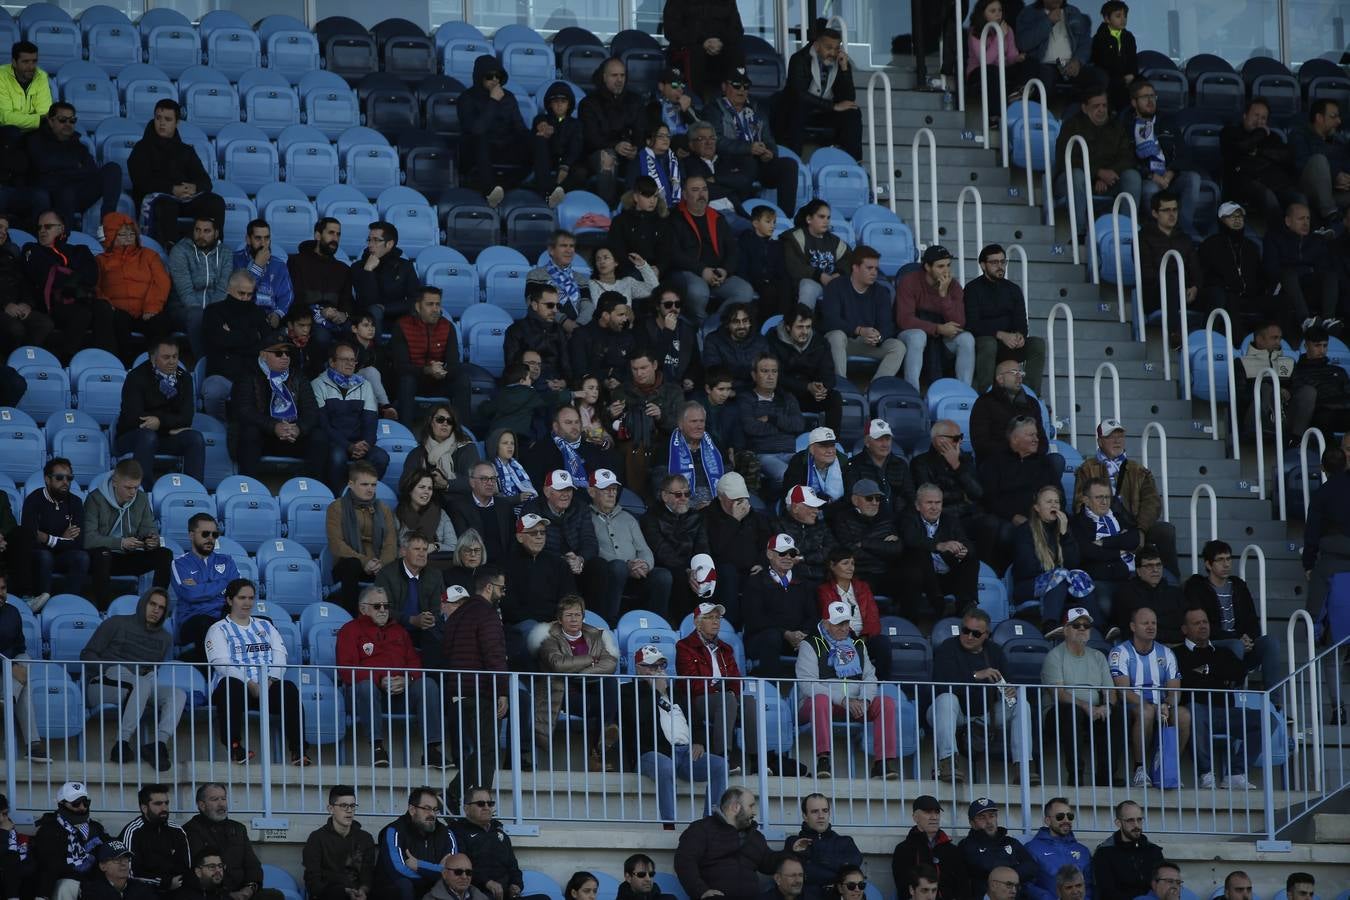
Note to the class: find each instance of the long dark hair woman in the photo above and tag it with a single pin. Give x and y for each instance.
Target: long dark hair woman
(445, 449)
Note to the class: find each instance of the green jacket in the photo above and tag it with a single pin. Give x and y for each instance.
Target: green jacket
(20, 108)
(99, 518)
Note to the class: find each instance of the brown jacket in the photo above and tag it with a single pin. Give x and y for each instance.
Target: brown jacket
(555, 655)
(339, 547)
(1135, 487)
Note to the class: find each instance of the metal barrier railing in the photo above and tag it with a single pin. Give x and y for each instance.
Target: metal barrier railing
(880, 77)
(1182, 324)
(1139, 320)
(1078, 141)
(959, 10)
(1195, 522)
(1055, 312)
(969, 190)
(1313, 717)
(1232, 380)
(997, 30)
(1026, 280)
(1313, 432)
(1037, 86)
(924, 134)
(1165, 480)
(1110, 369)
(1276, 409)
(1260, 555)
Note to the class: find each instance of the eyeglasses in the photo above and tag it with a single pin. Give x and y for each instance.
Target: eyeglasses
(1170, 880)
(972, 632)
(347, 807)
(59, 476)
(344, 359)
(208, 534)
(1156, 564)
(658, 666)
(791, 554)
(872, 498)
(1060, 817)
(1146, 96)
(483, 477)
(483, 804)
(855, 885)
(431, 809)
(549, 305)
(79, 801)
(737, 85)
(678, 494)
(443, 420)
(670, 304)
(67, 120)
(454, 871)
(1020, 373)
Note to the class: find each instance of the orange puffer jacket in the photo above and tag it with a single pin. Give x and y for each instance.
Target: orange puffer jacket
(132, 279)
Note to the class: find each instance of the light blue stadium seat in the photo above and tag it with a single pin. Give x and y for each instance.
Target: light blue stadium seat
(373, 168)
(539, 883)
(318, 613)
(279, 548)
(113, 45)
(58, 42)
(62, 605)
(292, 52)
(502, 271)
(233, 51)
(87, 450)
(98, 392)
(22, 448)
(416, 224)
(330, 108)
(141, 95)
(893, 240)
(310, 165)
(48, 384)
(458, 44)
(279, 879)
(251, 164)
(210, 106)
(58, 705)
(9, 31)
(68, 635)
(446, 268)
(271, 108)
(179, 509)
(248, 513)
(355, 216)
(844, 187)
(292, 583)
(322, 712)
(36, 13)
(530, 66)
(218, 463)
(292, 222)
(173, 47)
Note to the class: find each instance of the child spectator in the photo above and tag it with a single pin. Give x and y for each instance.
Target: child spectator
(557, 145)
(658, 162)
(762, 261)
(1113, 51)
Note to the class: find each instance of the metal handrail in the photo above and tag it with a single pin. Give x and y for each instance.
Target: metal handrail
(919, 135)
(959, 9)
(1035, 85)
(1232, 380)
(1303, 463)
(1078, 141)
(1026, 281)
(969, 190)
(1260, 555)
(1110, 368)
(1157, 428)
(1162, 305)
(1260, 438)
(885, 80)
(1128, 200)
(1202, 488)
(1050, 362)
(1002, 85)
(1293, 708)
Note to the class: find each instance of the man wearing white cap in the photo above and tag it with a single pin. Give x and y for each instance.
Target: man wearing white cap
(1234, 277)
(536, 578)
(780, 609)
(1083, 702)
(63, 848)
(804, 522)
(820, 467)
(770, 419)
(570, 533)
(625, 558)
(675, 534)
(737, 534)
(889, 470)
(840, 684)
(716, 691)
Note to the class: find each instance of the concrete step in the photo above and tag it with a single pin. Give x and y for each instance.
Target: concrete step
(1092, 350)
(1331, 828)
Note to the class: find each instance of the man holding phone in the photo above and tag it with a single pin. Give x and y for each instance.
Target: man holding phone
(120, 534)
(273, 279)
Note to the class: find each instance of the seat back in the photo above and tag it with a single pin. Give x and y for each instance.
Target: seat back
(292, 53)
(173, 48)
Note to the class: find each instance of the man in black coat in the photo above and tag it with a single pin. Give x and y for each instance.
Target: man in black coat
(61, 165)
(274, 413)
(613, 123)
(889, 470)
(727, 176)
(1233, 621)
(603, 346)
(821, 850)
(494, 132)
(113, 880)
(939, 558)
(1319, 390)
(1148, 588)
(536, 578)
(865, 525)
(541, 330)
(160, 848)
(213, 827)
(998, 406)
(483, 511)
(703, 252)
(819, 94)
(384, 281)
(1108, 539)
(989, 846)
(723, 852)
(806, 369)
(565, 448)
(64, 847)
(1234, 278)
(821, 466)
(232, 330)
(676, 534)
(780, 610)
(737, 535)
(496, 871)
(803, 521)
(1011, 478)
(1258, 166)
(157, 410)
(166, 170)
(1123, 864)
(65, 277)
(927, 846)
(996, 315)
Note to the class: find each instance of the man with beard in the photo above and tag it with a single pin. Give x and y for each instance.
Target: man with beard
(650, 409)
(200, 270)
(410, 848)
(736, 344)
(213, 827)
(927, 850)
(613, 123)
(996, 315)
(989, 848)
(1055, 847)
(114, 881)
(55, 517)
(63, 848)
(339, 857)
(806, 365)
(1258, 166)
(321, 282)
(209, 874)
(200, 575)
(722, 852)
(575, 307)
(160, 848)
(275, 292)
(541, 330)
(1123, 864)
(703, 252)
(603, 346)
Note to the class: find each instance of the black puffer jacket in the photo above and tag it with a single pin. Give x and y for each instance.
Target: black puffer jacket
(1231, 260)
(989, 419)
(799, 366)
(490, 851)
(893, 477)
(392, 285)
(486, 119)
(688, 23)
(1329, 380)
(645, 233)
(54, 162)
(674, 539)
(534, 585)
(1121, 869)
(602, 352)
(233, 330)
(14, 284)
(676, 351)
(1103, 562)
(982, 854)
(961, 489)
(607, 120)
(157, 164)
(548, 338)
(814, 541)
(867, 537)
(719, 349)
(568, 532)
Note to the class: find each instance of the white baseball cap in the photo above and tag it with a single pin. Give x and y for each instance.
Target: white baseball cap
(1228, 208)
(72, 791)
(706, 609)
(821, 435)
(528, 521)
(601, 478)
(1108, 426)
(559, 480)
(803, 494)
(1078, 612)
(732, 486)
(705, 574)
(838, 613)
(879, 428)
(455, 593)
(782, 543)
(648, 655)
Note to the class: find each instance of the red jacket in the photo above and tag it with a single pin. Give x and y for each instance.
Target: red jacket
(827, 593)
(692, 658)
(426, 343)
(363, 643)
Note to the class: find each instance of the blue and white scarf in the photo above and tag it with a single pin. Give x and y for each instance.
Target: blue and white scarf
(1080, 583)
(1107, 527)
(665, 170)
(682, 460)
(511, 478)
(831, 485)
(748, 127)
(671, 118)
(572, 461)
(345, 383)
(843, 656)
(569, 292)
(1146, 146)
(283, 404)
(168, 384)
(1113, 465)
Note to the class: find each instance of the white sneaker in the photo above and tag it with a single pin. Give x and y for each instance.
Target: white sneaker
(1207, 781)
(1141, 779)
(1309, 322)
(555, 197)
(1238, 782)
(494, 197)
(36, 603)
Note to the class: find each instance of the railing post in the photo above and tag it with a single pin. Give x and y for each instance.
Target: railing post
(1037, 86)
(1162, 306)
(1110, 368)
(265, 739)
(513, 713)
(1314, 688)
(780, 29)
(960, 48)
(997, 30)
(1026, 281)
(1303, 463)
(1195, 523)
(1157, 428)
(1050, 361)
(1261, 578)
(920, 135)
(1232, 380)
(11, 741)
(969, 190)
(885, 80)
(1078, 141)
(1276, 408)
(1128, 200)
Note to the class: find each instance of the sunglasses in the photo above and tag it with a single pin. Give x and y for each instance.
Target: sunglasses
(378, 605)
(453, 871)
(642, 874)
(67, 120)
(443, 420)
(549, 305)
(59, 476)
(678, 494)
(972, 632)
(737, 85)
(791, 554)
(670, 304)
(855, 885)
(659, 666)
(872, 498)
(483, 804)
(208, 534)
(1061, 817)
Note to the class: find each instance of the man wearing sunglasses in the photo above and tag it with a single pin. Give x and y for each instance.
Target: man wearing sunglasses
(675, 107)
(1084, 702)
(63, 848)
(55, 517)
(541, 330)
(456, 882)
(485, 841)
(199, 576)
(61, 165)
(780, 610)
(639, 880)
(339, 856)
(409, 847)
(1055, 847)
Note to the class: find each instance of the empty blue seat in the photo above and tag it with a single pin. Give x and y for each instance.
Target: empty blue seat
(292, 53)
(446, 268)
(471, 226)
(271, 108)
(330, 109)
(233, 50)
(250, 163)
(173, 47)
(293, 583)
(141, 94)
(529, 65)
(354, 216)
(87, 450)
(48, 387)
(58, 706)
(416, 224)
(113, 45)
(95, 100)
(22, 448)
(844, 187)
(310, 165)
(372, 168)
(58, 42)
(239, 211)
(210, 106)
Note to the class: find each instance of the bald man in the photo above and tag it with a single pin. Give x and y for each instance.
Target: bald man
(456, 880)
(1003, 884)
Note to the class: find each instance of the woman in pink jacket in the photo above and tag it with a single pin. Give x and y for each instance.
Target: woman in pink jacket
(987, 11)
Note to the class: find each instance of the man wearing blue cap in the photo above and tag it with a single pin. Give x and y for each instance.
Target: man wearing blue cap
(989, 846)
(114, 881)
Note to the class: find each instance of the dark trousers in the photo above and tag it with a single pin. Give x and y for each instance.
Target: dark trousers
(350, 574)
(1017, 74)
(1309, 294)
(74, 564)
(499, 163)
(339, 459)
(705, 72)
(779, 173)
(16, 562)
(107, 564)
(845, 126)
(546, 172)
(12, 386)
(1087, 747)
(770, 648)
(143, 444)
(31, 331)
(930, 588)
(472, 726)
(192, 635)
(932, 21)
(126, 327)
(253, 445)
(75, 195)
(606, 580)
(80, 325)
(832, 407)
(454, 389)
(165, 212)
(879, 650)
(283, 700)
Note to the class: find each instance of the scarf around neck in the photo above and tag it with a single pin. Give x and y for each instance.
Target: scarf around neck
(822, 77)
(1146, 146)
(747, 123)
(351, 526)
(1113, 465)
(512, 481)
(682, 460)
(283, 402)
(665, 169)
(569, 292)
(843, 654)
(441, 455)
(168, 384)
(1108, 526)
(345, 383)
(572, 461)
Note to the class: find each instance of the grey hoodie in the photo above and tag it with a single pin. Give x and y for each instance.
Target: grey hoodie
(199, 277)
(127, 639)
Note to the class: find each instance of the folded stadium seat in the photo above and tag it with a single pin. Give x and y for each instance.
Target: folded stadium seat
(841, 229)
(94, 98)
(329, 104)
(470, 224)
(1024, 649)
(632, 620)
(893, 240)
(208, 104)
(270, 102)
(404, 49)
(218, 19)
(642, 55)
(805, 189)
(309, 162)
(355, 216)
(279, 191)
(1271, 79)
(447, 269)
(458, 44)
(1216, 85)
(292, 53)
(42, 12)
(943, 388)
(179, 509)
(1202, 363)
(764, 66)
(896, 401)
(112, 39)
(539, 883)
(64, 605)
(232, 50)
(58, 42)
(239, 211)
(484, 328)
(172, 47)
(66, 418)
(1018, 130)
(48, 382)
(1200, 130)
(839, 181)
(58, 706)
(292, 582)
(911, 654)
(248, 158)
(175, 483)
(993, 598)
(9, 31)
(249, 513)
(415, 221)
(369, 164)
(438, 100)
(502, 271)
(389, 104)
(348, 49)
(576, 204)
(141, 87)
(1106, 250)
(398, 443)
(529, 221)
(292, 222)
(22, 448)
(1168, 80)
(427, 163)
(579, 53)
(528, 63)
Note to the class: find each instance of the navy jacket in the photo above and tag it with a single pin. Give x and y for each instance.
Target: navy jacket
(565, 146)
(485, 119)
(982, 854)
(1026, 566)
(829, 852)
(1328, 514)
(1282, 249)
(843, 309)
(1033, 32)
(429, 849)
(738, 356)
(994, 306)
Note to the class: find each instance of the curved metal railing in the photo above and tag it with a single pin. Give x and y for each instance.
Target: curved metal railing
(1293, 708)
(1110, 369)
(1162, 305)
(1256, 551)
(1078, 141)
(969, 190)
(880, 77)
(997, 30)
(1037, 86)
(1157, 428)
(1260, 437)
(1232, 380)
(1139, 320)
(924, 134)
(1303, 463)
(1195, 522)
(1055, 312)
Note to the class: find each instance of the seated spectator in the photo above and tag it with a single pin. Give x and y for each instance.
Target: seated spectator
(813, 254)
(674, 105)
(362, 534)
(1017, 67)
(25, 89)
(321, 282)
(1142, 662)
(945, 465)
(762, 262)
(736, 533)
(1227, 601)
(570, 534)
(744, 133)
(576, 307)
(120, 534)
(457, 882)
(1058, 37)
(65, 276)
(1108, 539)
(1132, 485)
(690, 451)
(1266, 351)
(858, 318)
(1046, 563)
(1082, 711)
(996, 314)
(168, 179)
(929, 304)
(592, 402)
(962, 667)
(1008, 399)
(1115, 53)
(675, 533)
(1321, 161)
(648, 408)
(541, 330)
(770, 419)
(114, 881)
(1148, 588)
(1110, 148)
(14, 646)
(537, 580)
(208, 878)
(1298, 263)
(574, 648)
(824, 853)
(412, 848)
(1062, 859)
(383, 279)
(804, 522)
(371, 357)
(1231, 270)
(273, 412)
(347, 416)
(157, 410)
(556, 141)
(1160, 154)
(613, 125)
(133, 281)
(736, 344)
(806, 367)
(842, 586)
(25, 321)
(270, 274)
(1012, 479)
(868, 528)
(1318, 389)
(705, 40)
(55, 517)
(1325, 539)
(160, 848)
(247, 656)
(62, 166)
(424, 349)
(199, 270)
(445, 450)
(1156, 238)
(231, 332)
(990, 852)
(1122, 864)
(939, 560)
(642, 228)
(1299, 885)
(703, 252)
(485, 841)
(834, 667)
(213, 828)
(1216, 670)
(63, 848)
(517, 403)
(1258, 166)
(723, 421)
(497, 149)
(605, 277)
(124, 652)
(780, 610)
(888, 469)
(339, 856)
(661, 163)
(819, 94)
(627, 561)
(481, 512)
(926, 851)
(413, 591)
(200, 576)
(419, 513)
(383, 676)
(672, 338)
(820, 467)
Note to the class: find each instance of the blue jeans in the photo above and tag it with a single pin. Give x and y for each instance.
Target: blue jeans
(74, 564)
(915, 340)
(216, 396)
(143, 444)
(339, 459)
(697, 292)
(774, 466)
(665, 769)
(421, 701)
(1266, 654)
